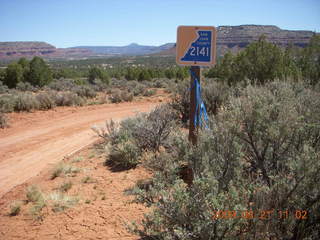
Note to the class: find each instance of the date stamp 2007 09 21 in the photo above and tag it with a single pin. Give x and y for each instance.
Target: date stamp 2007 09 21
(260, 214)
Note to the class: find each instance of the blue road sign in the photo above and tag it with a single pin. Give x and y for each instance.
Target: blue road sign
(196, 45)
(200, 50)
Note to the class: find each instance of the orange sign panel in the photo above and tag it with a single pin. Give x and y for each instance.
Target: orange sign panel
(196, 45)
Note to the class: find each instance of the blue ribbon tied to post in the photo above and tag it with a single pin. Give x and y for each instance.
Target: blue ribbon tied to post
(201, 116)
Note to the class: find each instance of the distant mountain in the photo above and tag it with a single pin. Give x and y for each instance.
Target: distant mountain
(235, 38)
(14, 50)
(131, 49)
(230, 38)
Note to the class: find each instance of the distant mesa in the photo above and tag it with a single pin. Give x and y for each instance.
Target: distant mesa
(229, 38)
(132, 49)
(235, 38)
(14, 50)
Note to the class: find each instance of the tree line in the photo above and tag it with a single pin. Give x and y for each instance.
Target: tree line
(259, 62)
(38, 73)
(263, 61)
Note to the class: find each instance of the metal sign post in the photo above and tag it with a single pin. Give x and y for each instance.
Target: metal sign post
(195, 76)
(196, 47)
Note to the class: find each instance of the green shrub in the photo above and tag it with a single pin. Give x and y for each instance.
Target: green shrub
(7, 103)
(118, 96)
(3, 120)
(126, 96)
(85, 91)
(15, 208)
(138, 90)
(257, 155)
(62, 84)
(125, 154)
(181, 100)
(45, 101)
(153, 131)
(25, 86)
(115, 96)
(34, 194)
(25, 102)
(68, 99)
(3, 88)
(214, 95)
(36, 208)
(161, 83)
(114, 133)
(124, 151)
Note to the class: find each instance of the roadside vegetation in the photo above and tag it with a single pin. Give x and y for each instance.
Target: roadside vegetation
(254, 173)
(258, 160)
(28, 85)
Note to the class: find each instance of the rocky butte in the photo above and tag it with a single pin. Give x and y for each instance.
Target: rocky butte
(229, 38)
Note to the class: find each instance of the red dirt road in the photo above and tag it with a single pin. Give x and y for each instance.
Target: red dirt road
(37, 140)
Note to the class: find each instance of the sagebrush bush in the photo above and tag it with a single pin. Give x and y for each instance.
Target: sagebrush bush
(3, 88)
(115, 96)
(161, 83)
(45, 101)
(126, 96)
(118, 96)
(7, 103)
(152, 131)
(68, 99)
(3, 120)
(125, 153)
(181, 100)
(25, 86)
(258, 155)
(138, 90)
(85, 91)
(215, 95)
(62, 84)
(25, 102)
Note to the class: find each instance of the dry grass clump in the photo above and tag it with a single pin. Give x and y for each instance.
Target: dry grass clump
(15, 208)
(57, 201)
(34, 194)
(64, 187)
(64, 169)
(88, 179)
(37, 198)
(60, 202)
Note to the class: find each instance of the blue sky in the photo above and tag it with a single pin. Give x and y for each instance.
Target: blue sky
(66, 23)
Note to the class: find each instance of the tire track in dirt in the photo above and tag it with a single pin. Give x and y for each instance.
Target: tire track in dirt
(37, 140)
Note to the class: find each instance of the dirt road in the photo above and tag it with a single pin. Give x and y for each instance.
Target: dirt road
(38, 140)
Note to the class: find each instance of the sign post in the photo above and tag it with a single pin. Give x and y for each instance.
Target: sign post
(196, 47)
(195, 76)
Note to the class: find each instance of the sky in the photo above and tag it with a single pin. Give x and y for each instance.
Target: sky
(68, 23)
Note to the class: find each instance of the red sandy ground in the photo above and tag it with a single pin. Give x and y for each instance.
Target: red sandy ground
(103, 218)
(36, 142)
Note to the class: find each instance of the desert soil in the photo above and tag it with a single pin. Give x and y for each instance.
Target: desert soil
(36, 142)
